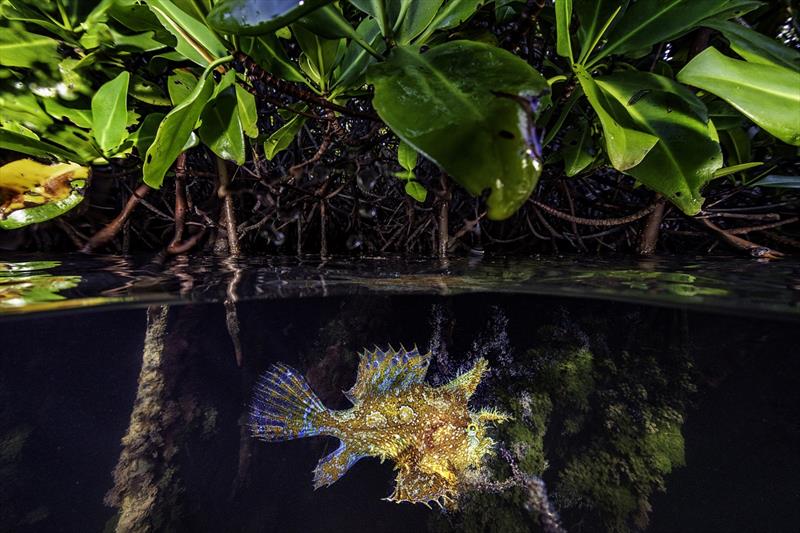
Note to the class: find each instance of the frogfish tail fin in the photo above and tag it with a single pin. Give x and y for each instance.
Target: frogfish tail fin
(284, 406)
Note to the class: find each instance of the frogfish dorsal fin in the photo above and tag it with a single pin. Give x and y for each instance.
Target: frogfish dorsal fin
(467, 382)
(334, 465)
(381, 371)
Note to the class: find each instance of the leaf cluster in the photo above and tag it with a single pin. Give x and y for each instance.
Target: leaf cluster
(674, 93)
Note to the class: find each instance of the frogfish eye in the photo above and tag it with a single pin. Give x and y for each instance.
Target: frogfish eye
(472, 429)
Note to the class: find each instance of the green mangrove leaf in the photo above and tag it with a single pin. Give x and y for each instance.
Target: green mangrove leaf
(737, 145)
(414, 17)
(687, 152)
(726, 171)
(416, 190)
(329, 23)
(320, 56)
(64, 111)
(378, 10)
(452, 14)
(144, 136)
(174, 132)
(17, 10)
(31, 192)
(148, 92)
(110, 113)
(20, 48)
(257, 17)
(140, 42)
(196, 8)
(350, 72)
(267, 51)
(248, 113)
(225, 81)
(506, 10)
(578, 150)
(407, 158)
(723, 115)
(626, 147)
(782, 182)
(756, 47)
(595, 17)
(563, 37)
(76, 140)
(23, 108)
(19, 128)
(647, 22)
(180, 85)
(221, 129)
(456, 105)
(766, 94)
(134, 16)
(283, 137)
(19, 142)
(195, 41)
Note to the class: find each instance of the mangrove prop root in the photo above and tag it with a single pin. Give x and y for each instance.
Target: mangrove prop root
(112, 228)
(229, 213)
(756, 250)
(232, 323)
(444, 210)
(647, 244)
(139, 489)
(178, 245)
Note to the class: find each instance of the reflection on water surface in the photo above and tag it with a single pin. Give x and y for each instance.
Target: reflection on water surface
(732, 285)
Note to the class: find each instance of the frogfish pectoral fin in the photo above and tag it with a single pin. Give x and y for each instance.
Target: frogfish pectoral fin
(284, 406)
(334, 465)
(417, 486)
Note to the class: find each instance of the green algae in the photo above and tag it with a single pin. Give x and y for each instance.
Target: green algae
(603, 428)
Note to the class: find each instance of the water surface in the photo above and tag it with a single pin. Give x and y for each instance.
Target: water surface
(651, 395)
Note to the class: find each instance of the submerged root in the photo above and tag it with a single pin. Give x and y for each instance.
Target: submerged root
(534, 489)
(144, 483)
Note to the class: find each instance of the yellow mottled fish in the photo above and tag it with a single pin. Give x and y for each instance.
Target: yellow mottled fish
(429, 432)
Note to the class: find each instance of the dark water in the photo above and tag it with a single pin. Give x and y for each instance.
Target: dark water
(653, 397)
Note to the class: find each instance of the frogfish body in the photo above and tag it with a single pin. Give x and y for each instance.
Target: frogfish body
(428, 432)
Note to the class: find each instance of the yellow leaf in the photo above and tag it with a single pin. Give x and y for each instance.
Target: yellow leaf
(27, 185)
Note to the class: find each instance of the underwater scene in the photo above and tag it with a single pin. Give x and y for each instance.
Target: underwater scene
(394, 410)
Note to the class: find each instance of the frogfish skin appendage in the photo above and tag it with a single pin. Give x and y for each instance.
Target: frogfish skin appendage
(428, 432)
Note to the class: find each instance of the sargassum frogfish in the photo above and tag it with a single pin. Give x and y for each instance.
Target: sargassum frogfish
(428, 432)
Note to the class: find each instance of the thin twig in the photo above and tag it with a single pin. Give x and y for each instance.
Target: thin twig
(599, 222)
(467, 227)
(761, 227)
